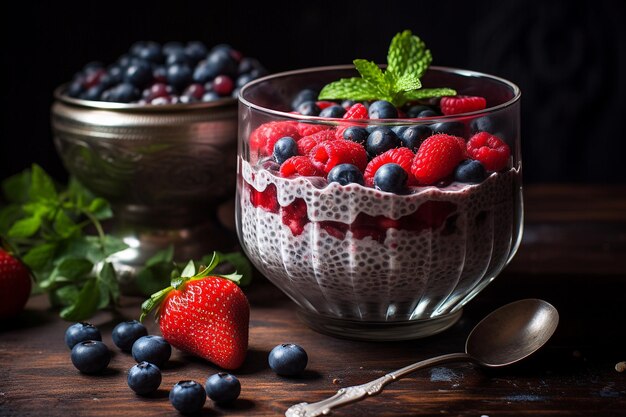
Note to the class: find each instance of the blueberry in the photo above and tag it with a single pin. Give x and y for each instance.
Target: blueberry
(372, 128)
(302, 96)
(495, 124)
(398, 130)
(391, 178)
(138, 74)
(136, 47)
(235, 93)
(288, 359)
(285, 148)
(222, 387)
(153, 349)
(382, 109)
(178, 57)
(75, 89)
(144, 378)
(188, 397)
(196, 51)
(356, 134)
(413, 136)
(151, 51)
(223, 62)
(246, 65)
(345, 174)
(115, 74)
(414, 111)
(121, 93)
(427, 113)
(126, 333)
(210, 96)
(381, 140)
(172, 47)
(449, 128)
(243, 79)
(346, 104)
(205, 72)
(335, 112)
(94, 93)
(90, 356)
(470, 171)
(308, 108)
(179, 76)
(80, 332)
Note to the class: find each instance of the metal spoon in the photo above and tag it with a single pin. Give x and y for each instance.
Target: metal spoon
(507, 335)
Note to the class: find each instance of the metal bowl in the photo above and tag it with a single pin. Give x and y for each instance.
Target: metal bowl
(165, 169)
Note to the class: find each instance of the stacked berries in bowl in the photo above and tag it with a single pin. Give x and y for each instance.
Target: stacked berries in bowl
(380, 204)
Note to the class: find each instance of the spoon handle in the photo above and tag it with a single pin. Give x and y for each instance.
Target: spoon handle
(356, 393)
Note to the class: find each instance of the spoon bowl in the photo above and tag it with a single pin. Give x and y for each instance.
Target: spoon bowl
(506, 336)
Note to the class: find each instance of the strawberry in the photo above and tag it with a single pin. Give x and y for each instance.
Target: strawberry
(436, 158)
(14, 285)
(264, 137)
(207, 316)
(461, 104)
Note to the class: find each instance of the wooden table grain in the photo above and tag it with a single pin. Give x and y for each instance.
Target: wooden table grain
(573, 255)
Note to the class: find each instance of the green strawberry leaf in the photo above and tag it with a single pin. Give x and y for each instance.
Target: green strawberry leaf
(356, 89)
(85, 304)
(235, 277)
(241, 265)
(189, 271)
(155, 300)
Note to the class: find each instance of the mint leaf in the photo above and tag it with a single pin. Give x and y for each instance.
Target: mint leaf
(25, 227)
(371, 73)
(42, 186)
(65, 296)
(408, 55)
(240, 264)
(100, 208)
(15, 188)
(163, 256)
(40, 256)
(407, 82)
(154, 277)
(356, 89)
(108, 285)
(427, 93)
(69, 269)
(85, 304)
(63, 225)
(8, 216)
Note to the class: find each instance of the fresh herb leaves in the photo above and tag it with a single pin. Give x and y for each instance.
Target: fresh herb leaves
(407, 60)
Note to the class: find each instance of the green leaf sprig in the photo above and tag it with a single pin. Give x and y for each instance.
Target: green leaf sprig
(407, 60)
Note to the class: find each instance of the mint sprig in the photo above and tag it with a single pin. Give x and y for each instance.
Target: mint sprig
(407, 60)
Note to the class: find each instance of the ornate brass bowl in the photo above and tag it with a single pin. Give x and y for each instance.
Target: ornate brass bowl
(165, 169)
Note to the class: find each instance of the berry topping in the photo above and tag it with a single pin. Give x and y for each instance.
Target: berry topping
(391, 178)
(345, 174)
(356, 112)
(285, 148)
(299, 165)
(144, 378)
(308, 108)
(325, 104)
(302, 96)
(461, 104)
(412, 137)
(327, 155)
(400, 156)
(381, 140)
(414, 111)
(470, 171)
(382, 109)
(449, 128)
(306, 129)
(335, 112)
(288, 359)
(307, 143)
(222, 387)
(356, 134)
(490, 150)
(264, 137)
(436, 159)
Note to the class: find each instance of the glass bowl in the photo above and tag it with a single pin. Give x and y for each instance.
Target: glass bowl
(367, 264)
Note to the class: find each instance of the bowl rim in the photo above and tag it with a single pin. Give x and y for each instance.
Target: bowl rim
(462, 72)
(136, 107)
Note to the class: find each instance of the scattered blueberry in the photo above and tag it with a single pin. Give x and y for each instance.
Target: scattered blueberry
(391, 178)
(356, 134)
(302, 96)
(427, 113)
(153, 349)
(80, 332)
(179, 76)
(288, 359)
(345, 174)
(126, 333)
(381, 140)
(144, 378)
(335, 112)
(222, 387)
(308, 108)
(413, 136)
(449, 128)
(285, 148)
(382, 109)
(90, 356)
(139, 74)
(188, 397)
(414, 111)
(470, 171)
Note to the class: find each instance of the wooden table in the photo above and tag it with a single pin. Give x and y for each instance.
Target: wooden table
(573, 255)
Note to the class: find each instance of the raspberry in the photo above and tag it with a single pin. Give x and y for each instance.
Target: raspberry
(306, 129)
(436, 159)
(323, 104)
(294, 216)
(356, 111)
(429, 215)
(300, 166)
(265, 199)
(490, 150)
(335, 229)
(307, 143)
(264, 137)
(401, 156)
(328, 154)
(461, 104)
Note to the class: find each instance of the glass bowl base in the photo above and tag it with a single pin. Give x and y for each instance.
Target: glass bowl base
(379, 330)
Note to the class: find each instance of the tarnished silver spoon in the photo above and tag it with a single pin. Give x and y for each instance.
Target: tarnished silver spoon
(506, 336)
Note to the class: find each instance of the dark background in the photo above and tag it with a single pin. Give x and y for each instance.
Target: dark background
(567, 57)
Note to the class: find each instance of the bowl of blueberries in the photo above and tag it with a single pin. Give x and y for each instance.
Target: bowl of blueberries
(155, 133)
